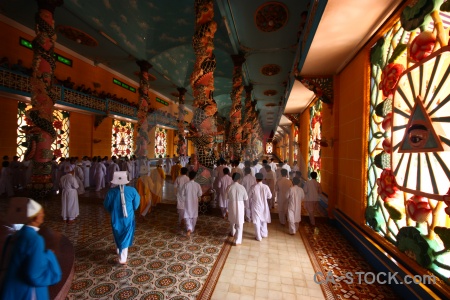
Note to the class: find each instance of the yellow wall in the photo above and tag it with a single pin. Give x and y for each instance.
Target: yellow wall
(80, 135)
(8, 123)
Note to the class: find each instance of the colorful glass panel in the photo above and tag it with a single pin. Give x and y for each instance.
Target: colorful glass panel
(408, 143)
(160, 142)
(122, 138)
(315, 137)
(60, 145)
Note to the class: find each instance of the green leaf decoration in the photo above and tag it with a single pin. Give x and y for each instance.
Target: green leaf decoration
(377, 53)
(374, 218)
(418, 14)
(398, 51)
(61, 131)
(416, 246)
(22, 106)
(384, 108)
(123, 123)
(444, 234)
(382, 160)
(445, 6)
(65, 114)
(24, 144)
(396, 212)
(114, 135)
(114, 145)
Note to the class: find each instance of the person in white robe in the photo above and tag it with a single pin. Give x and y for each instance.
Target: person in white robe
(79, 176)
(312, 189)
(237, 196)
(86, 165)
(287, 167)
(112, 168)
(92, 171)
(259, 194)
(282, 189)
(257, 166)
(100, 173)
(180, 181)
(223, 186)
(273, 164)
(247, 182)
(218, 174)
(130, 169)
(69, 196)
(278, 172)
(191, 191)
(295, 198)
(270, 180)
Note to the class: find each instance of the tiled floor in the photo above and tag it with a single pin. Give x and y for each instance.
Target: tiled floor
(278, 267)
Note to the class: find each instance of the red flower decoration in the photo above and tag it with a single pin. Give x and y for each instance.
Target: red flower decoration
(387, 186)
(418, 208)
(57, 153)
(387, 146)
(128, 131)
(422, 45)
(116, 150)
(128, 151)
(390, 77)
(387, 122)
(116, 129)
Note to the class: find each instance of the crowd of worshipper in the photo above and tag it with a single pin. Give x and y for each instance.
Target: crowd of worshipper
(246, 191)
(68, 82)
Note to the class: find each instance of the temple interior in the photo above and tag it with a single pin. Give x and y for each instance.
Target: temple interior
(356, 92)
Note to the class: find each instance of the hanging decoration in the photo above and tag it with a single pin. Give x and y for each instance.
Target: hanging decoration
(122, 138)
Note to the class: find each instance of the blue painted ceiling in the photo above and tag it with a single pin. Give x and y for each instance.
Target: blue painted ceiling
(161, 33)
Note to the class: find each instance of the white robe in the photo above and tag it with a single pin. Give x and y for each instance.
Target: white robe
(236, 195)
(178, 185)
(100, 173)
(113, 167)
(79, 176)
(258, 199)
(191, 192)
(223, 185)
(69, 197)
(282, 189)
(295, 198)
(6, 182)
(86, 166)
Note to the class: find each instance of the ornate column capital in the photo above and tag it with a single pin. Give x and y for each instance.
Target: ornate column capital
(144, 65)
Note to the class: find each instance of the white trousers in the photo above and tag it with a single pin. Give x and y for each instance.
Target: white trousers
(293, 227)
(260, 229)
(180, 215)
(190, 224)
(310, 208)
(123, 256)
(236, 230)
(281, 214)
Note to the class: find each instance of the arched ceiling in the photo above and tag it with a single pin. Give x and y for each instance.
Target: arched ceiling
(274, 36)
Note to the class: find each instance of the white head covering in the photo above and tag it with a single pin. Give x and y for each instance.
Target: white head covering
(33, 208)
(120, 178)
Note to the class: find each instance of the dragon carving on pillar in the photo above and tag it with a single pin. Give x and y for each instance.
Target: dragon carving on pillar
(41, 132)
(144, 104)
(203, 128)
(181, 144)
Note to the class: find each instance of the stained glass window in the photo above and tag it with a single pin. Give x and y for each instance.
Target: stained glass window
(122, 138)
(408, 143)
(60, 146)
(269, 147)
(315, 137)
(295, 143)
(160, 142)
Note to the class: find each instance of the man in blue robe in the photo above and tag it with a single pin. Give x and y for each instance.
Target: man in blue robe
(121, 202)
(32, 267)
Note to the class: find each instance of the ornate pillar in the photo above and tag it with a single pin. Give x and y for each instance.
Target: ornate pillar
(41, 133)
(235, 136)
(144, 104)
(248, 120)
(181, 135)
(203, 127)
